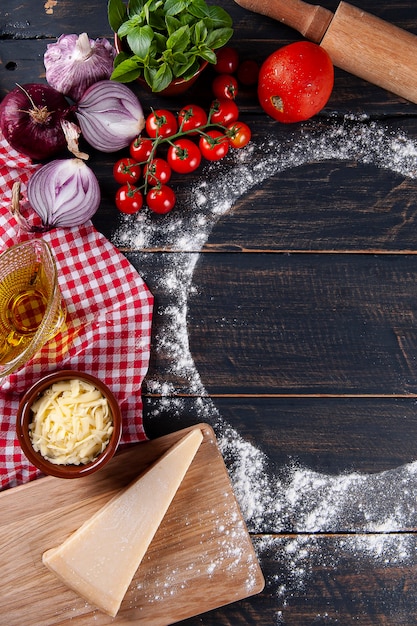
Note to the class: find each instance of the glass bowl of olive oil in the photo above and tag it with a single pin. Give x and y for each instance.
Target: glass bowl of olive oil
(31, 308)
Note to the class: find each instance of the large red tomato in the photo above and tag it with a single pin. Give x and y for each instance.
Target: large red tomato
(295, 82)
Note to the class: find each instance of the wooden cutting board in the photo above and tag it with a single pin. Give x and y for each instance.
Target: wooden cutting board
(200, 558)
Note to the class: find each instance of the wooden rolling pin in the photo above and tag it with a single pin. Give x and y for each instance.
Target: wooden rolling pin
(357, 42)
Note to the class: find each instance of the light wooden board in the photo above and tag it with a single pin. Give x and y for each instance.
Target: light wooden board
(200, 558)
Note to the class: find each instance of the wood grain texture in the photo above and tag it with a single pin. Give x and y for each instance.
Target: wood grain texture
(373, 49)
(167, 585)
(328, 435)
(310, 20)
(325, 324)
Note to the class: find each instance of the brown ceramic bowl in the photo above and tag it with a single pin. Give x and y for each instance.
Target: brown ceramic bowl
(24, 418)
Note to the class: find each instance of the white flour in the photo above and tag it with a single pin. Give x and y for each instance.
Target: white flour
(304, 501)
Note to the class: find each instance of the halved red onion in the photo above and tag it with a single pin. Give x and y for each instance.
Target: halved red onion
(110, 116)
(64, 193)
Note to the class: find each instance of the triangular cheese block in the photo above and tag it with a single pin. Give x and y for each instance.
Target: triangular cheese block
(99, 560)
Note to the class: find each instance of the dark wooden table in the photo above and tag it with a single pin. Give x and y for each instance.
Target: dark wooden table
(286, 299)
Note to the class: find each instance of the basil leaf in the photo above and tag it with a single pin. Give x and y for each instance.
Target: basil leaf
(219, 17)
(159, 42)
(154, 14)
(173, 7)
(198, 8)
(183, 69)
(180, 39)
(218, 38)
(140, 40)
(207, 54)
(179, 60)
(122, 56)
(135, 7)
(162, 78)
(199, 33)
(116, 13)
(194, 67)
(126, 71)
(130, 26)
(172, 24)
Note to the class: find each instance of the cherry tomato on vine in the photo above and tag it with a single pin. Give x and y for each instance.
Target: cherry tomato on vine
(157, 171)
(161, 199)
(191, 116)
(227, 60)
(184, 156)
(141, 148)
(224, 111)
(126, 171)
(129, 199)
(161, 123)
(225, 86)
(239, 134)
(214, 145)
(248, 72)
(295, 82)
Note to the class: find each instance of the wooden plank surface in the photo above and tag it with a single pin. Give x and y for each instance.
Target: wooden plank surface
(333, 436)
(201, 543)
(285, 296)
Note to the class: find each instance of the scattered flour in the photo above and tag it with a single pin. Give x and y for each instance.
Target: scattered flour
(303, 501)
(363, 141)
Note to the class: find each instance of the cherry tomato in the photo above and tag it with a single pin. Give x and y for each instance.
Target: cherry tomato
(161, 123)
(129, 199)
(192, 116)
(224, 112)
(157, 172)
(161, 199)
(140, 149)
(184, 156)
(227, 60)
(247, 72)
(239, 134)
(214, 145)
(295, 82)
(225, 86)
(126, 171)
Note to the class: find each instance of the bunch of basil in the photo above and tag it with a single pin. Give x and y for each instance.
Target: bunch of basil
(166, 39)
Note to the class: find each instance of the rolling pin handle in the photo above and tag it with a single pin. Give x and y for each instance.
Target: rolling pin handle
(310, 20)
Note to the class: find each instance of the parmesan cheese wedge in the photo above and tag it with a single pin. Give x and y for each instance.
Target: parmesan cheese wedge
(99, 560)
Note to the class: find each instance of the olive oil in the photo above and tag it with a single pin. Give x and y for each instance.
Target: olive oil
(30, 307)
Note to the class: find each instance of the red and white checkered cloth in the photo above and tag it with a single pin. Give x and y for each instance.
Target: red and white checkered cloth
(108, 323)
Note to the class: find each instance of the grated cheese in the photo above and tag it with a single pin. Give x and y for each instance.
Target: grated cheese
(72, 423)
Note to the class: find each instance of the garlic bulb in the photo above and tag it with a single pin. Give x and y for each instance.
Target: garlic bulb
(75, 62)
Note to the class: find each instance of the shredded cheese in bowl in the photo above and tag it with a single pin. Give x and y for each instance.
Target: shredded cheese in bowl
(72, 423)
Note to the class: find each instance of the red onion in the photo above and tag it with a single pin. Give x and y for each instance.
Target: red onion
(110, 116)
(64, 193)
(30, 120)
(74, 62)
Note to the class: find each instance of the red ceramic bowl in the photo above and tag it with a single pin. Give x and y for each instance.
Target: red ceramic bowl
(24, 418)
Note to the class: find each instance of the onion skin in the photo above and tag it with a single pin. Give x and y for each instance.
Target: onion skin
(64, 193)
(30, 120)
(110, 116)
(74, 62)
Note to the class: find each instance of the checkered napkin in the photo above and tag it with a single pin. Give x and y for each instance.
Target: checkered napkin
(108, 321)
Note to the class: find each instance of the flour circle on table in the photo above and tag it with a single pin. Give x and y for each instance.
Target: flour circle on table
(302, 500)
